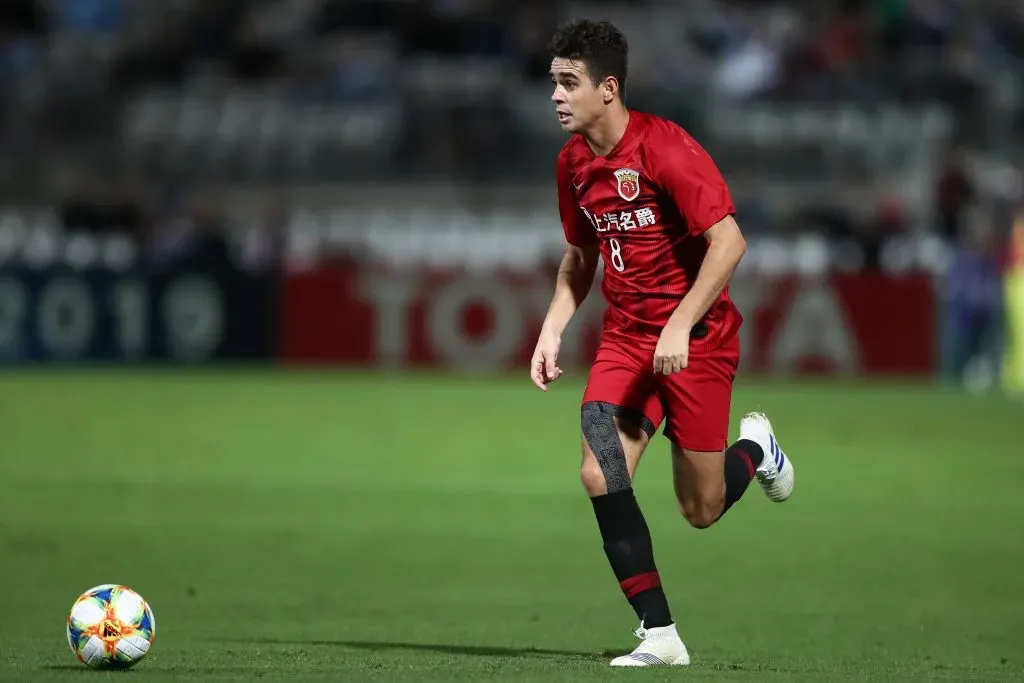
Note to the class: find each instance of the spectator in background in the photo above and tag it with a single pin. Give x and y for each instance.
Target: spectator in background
(208, 247)
(844, 41)
(451, 28)
(750, 67)
(907, 24)
(1013, 371)
(89, 16)
(833, 216)
(22, 24)
(355, 69)
(335, 16)
(211, 27)
(255, 57)
(530, 35)
(78, 208)
(962, 86)
(972, 301)
(128, 208)
(94, 206)
(263, 241)
(22, 18)
(872, 236)
(1007, 27)
(192, 236)
(954, 193)
(162, 59)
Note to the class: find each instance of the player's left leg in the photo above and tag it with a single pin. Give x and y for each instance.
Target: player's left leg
(775, 473)
(708, 476)
(709, 482)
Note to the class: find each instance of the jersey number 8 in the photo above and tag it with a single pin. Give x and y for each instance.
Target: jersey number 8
(617, 262)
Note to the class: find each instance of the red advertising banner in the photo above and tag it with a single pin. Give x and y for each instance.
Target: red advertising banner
(352, 314)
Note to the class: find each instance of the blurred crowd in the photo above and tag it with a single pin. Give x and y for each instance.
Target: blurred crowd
(868, 124)
(79, 72)
(923, 49)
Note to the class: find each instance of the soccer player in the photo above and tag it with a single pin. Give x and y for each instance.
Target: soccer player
(639, 192)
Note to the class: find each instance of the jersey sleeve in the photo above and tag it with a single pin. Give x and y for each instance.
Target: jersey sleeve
(686, 172)
(578, 230)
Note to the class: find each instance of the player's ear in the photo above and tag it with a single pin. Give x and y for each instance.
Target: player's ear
(609, 89)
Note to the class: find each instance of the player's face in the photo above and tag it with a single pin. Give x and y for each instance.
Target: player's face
(578, 102)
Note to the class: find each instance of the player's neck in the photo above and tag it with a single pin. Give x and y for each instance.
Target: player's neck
(607, 132)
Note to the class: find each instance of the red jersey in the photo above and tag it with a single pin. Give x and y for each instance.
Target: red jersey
(647, 203)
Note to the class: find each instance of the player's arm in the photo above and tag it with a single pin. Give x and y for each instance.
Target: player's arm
(572, 284)
(576, 272)
(575, 277)
(726, 248)
(687, 173)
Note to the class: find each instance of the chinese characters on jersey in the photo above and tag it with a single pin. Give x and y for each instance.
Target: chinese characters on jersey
(618, 222)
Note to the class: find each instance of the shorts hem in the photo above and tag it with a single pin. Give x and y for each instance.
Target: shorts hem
(697, 445)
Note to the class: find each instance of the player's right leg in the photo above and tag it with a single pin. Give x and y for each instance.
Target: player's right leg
(619, 415)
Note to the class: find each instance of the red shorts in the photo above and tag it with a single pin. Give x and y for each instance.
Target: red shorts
(694, 403)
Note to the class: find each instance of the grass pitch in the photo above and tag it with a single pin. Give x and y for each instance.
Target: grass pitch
(359, 527)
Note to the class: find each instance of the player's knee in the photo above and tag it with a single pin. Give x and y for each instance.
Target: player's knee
(607, 471)
(699, 513)
(592, 478)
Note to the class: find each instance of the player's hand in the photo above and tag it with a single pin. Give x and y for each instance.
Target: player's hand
(672, 354)
(544, 366)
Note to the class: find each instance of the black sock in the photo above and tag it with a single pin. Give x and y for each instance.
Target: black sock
(741, 459)
(627, 543)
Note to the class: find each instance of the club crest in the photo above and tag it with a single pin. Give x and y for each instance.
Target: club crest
(628, 183)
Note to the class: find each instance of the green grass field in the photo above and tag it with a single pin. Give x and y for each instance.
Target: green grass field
(331, 526)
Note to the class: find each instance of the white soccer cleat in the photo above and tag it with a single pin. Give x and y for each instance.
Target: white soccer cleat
(775, 473)
(661, 646)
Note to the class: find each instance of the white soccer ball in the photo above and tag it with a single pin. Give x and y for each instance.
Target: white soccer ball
(110, 627)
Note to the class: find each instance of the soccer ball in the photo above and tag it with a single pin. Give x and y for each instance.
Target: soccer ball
(110, 627)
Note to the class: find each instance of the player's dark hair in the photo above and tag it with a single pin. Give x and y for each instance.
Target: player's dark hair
(598, 45)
